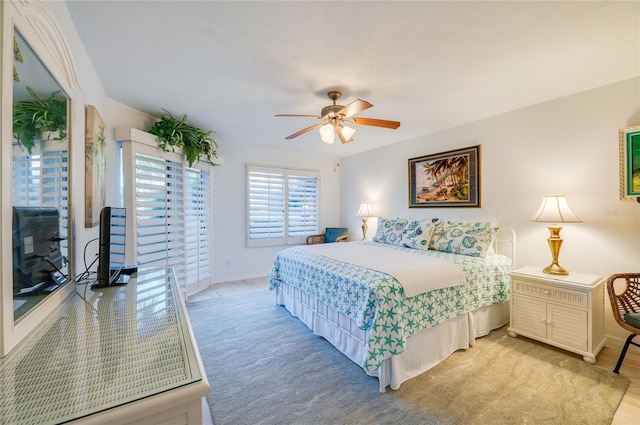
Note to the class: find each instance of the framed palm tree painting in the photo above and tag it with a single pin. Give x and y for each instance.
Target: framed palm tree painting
(630, 163)
(446, 179)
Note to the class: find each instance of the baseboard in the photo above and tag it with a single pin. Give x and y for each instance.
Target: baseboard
(226, 279)
(617, 343)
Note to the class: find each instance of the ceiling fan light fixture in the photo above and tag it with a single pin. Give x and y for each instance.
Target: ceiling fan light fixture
(335, 116)
(348, 132)
(327, 133)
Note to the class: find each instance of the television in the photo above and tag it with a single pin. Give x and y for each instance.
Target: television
(38, 262)
(111, 250)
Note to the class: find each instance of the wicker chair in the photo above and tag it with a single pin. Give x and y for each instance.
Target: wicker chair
(331, 234)
(624, 303)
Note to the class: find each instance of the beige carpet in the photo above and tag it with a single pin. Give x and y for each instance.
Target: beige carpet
(266, 367)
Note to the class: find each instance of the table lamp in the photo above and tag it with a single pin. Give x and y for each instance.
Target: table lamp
(365, 212)
(554, 209)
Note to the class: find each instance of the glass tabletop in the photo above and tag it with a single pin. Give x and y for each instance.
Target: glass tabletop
(100, 349)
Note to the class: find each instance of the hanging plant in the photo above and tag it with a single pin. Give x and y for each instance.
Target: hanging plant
(195, 142)
(31, 118)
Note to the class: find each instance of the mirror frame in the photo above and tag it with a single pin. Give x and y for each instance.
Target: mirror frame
(38, 27)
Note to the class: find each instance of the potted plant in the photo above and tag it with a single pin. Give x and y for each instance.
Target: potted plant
(33, 117)
(173, 132)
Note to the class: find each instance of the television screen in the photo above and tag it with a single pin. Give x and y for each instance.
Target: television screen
(37, 260)
(111, 251)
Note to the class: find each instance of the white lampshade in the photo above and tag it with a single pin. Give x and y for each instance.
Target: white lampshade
(554, 209)
(365, 211)
(348, 132)
(327, 133)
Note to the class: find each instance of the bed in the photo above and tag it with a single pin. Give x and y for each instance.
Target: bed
(401, 304)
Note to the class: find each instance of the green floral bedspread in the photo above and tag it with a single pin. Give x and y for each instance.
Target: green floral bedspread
(376, 302)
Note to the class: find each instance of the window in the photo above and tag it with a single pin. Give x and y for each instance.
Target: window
(41, 179)
(282, 205)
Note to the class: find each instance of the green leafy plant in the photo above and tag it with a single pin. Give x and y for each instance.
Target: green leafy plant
(35, 116)
(195, 142)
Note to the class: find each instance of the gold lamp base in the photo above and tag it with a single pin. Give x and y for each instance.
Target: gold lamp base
(555, 268)
(364, 228)
(555, 243)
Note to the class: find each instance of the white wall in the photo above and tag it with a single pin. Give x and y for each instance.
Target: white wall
(567, 146)
(229, 188)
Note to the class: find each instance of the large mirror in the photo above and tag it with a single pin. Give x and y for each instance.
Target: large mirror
(40, 177)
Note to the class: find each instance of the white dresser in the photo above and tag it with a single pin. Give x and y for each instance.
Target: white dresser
(564, 311)
(121, 355)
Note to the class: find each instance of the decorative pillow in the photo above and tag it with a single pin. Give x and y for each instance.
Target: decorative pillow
(333, 233)
(487, 221)
(491, 221)
(390, 230)
(466, 238)
(439, 223)
(417, 234)
(632, 319)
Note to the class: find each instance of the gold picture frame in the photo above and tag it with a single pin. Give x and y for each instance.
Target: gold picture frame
(95, 167)
(629, 147)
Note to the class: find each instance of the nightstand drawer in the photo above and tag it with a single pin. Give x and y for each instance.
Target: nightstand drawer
(551, 293)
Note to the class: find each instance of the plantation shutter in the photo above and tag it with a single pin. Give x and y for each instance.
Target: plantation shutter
(265, 206)
(282, 205)
(171, 208)
(160, 225)
(42, 179)
(198, 210)
(302, 205)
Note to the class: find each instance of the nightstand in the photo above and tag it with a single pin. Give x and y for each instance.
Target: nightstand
(563, 311)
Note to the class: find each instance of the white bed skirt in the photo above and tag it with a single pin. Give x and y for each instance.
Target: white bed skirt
(424, 349)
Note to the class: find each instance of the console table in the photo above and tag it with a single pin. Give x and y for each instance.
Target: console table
(121, 355)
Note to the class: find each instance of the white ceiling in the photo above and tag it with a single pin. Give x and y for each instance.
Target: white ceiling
(232, 65)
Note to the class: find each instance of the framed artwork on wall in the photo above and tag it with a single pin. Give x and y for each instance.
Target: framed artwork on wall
(629, 142)
(95, 162)
(446, 179)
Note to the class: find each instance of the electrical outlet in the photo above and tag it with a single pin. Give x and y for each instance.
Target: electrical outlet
(28, 245)
(228, 262)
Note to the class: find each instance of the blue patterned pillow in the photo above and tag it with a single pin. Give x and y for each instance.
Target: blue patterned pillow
(417, 234)
(390, 230)
(465, 238)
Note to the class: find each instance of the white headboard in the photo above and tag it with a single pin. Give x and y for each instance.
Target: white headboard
(505, 243)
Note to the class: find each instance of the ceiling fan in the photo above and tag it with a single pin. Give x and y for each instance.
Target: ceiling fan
(335, 116)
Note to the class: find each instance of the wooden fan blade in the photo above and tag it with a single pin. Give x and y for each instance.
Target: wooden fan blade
(306, 130)
(341, 136)
(375, 122)
(354, 107)
(300, 116)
